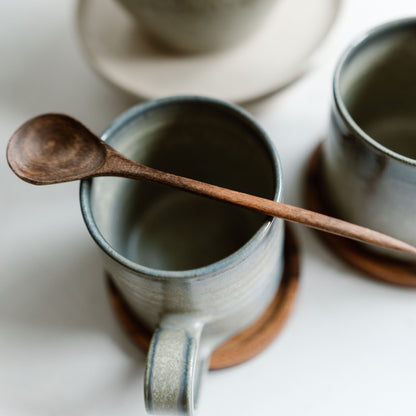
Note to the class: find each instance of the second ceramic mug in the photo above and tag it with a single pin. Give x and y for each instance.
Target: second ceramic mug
(193, 270)
(369, 159)
(199, 25)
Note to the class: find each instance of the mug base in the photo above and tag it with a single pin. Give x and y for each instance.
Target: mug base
(373, 264)
(248, 343)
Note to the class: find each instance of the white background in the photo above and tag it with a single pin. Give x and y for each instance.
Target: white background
(349, 345)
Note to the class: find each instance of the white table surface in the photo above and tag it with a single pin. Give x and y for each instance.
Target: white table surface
(349, 345)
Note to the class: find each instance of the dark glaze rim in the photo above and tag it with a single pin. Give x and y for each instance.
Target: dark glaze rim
(396, 26)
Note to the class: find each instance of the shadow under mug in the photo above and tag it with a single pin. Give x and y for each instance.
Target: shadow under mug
(369, 157)
(193, 270)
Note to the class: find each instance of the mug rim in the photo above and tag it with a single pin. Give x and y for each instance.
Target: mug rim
(360, 43)
(225, 263)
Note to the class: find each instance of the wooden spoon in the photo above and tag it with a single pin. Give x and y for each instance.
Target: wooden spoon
(54, 148)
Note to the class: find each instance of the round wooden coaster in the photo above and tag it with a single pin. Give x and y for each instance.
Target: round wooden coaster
(247, 343)
(373, 264)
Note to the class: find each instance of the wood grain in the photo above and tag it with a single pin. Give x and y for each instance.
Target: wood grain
(54, 148)
(117, 165)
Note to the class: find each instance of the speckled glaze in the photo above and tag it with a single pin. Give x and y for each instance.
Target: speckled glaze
(367, 182)
(194, 310)
(199, 25)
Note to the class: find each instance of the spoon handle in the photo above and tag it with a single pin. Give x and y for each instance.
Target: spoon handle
(120, 166)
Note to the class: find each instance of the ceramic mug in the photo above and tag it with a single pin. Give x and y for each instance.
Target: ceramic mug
(369, 158)
(199, 25)
(193, 270)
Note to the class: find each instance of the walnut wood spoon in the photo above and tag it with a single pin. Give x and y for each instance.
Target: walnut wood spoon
(54, 148)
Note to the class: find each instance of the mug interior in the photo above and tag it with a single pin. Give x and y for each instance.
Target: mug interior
(168, 229)
(377, 90)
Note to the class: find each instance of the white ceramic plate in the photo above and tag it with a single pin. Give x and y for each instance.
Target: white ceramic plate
(276, 55)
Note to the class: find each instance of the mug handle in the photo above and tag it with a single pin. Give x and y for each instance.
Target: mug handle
(175, 366)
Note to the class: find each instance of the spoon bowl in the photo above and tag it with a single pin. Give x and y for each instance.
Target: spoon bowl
(52, 148)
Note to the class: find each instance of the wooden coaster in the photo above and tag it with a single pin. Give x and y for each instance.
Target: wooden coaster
(373, 264)
(247, 343)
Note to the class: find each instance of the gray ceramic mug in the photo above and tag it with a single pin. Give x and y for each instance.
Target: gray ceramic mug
(193, 270)
(369, 159)
(199, 25)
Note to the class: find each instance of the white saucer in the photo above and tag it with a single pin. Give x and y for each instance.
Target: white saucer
(276, 55)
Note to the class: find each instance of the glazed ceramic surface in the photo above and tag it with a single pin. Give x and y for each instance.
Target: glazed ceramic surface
(194, 271)
(199, 25)
(278, 53)
(370, 154)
